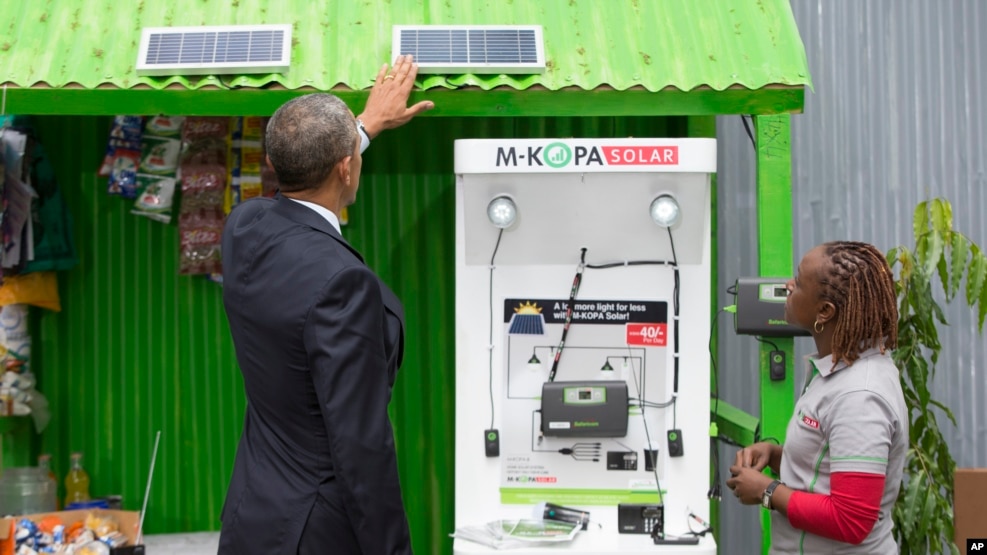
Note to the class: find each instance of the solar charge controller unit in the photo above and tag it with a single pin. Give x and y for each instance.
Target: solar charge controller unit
(761, 308)
(584, 409)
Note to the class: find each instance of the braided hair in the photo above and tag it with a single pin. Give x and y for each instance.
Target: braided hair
(859, 283)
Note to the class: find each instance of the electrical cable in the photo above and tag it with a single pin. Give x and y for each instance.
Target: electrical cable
(647, 434)
(500, 234)
(714, 491)
(568, 313)
(766, 342)
(712, 361)
(607, 265)
(650, 404)
(690, 516)
(747, 128)
(675, 326)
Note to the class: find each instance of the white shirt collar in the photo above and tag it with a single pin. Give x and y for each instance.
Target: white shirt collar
(322, 211)
(826, 366)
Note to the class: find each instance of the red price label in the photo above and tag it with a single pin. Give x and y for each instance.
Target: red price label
(650, 335)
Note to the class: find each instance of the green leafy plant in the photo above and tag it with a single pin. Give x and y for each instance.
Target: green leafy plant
(923, 514)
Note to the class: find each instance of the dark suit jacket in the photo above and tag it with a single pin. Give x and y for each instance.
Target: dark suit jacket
(319, 339)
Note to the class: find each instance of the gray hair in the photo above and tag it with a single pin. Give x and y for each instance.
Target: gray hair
(307, 137)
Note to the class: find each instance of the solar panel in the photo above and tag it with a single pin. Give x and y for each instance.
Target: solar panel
(472, 48)
(527, 324)
(214, 50)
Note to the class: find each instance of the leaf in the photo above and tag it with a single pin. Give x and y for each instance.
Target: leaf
(920, 220)
(921, 250)
(928, 508)
(907, 259)
(934, 252)
(976, 274)
(944, 276)
(959, 251)
(892, 256)
(946, 410)
(910, 504)
(939, 314)
(917, 427)
(983, 309)
(942, 215)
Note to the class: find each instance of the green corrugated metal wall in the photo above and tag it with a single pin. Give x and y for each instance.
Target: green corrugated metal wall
(138, 348)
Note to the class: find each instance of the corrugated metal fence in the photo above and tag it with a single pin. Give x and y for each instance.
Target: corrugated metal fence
(898, 116)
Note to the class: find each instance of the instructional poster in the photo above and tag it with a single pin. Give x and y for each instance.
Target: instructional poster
(608, 342)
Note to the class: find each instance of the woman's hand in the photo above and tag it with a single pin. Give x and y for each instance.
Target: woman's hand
(748, 484)
(759, 456)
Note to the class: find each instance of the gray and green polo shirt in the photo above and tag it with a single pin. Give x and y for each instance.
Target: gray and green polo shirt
(848, 419)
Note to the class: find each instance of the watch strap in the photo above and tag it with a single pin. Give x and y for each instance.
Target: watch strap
(364, 136)
(768, 491)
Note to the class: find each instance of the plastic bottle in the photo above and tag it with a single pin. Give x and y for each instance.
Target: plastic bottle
(44, 465)
(76, 482)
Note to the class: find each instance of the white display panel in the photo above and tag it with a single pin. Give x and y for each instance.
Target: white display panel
(624, 316)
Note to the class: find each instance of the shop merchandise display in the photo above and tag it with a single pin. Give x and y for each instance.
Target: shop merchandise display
(190, 170)
(95, 534)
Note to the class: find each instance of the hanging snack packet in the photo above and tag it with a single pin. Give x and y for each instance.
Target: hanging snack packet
(251, 184)
(155, 197)
(198, 128)
(160, 149)
(125, 134)
(246, 156)
(205, 151)
(200, 233)
(123, 175)
(252, 129)
(233, 168)
(201, 218)
(250, 187)
(122, 156)
(165, 126)
(159, 155)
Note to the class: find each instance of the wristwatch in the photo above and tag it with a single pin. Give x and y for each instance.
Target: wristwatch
(364, 136)
(766, 496)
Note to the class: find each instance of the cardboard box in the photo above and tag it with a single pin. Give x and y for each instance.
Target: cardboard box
(128, 521)
(969, 505)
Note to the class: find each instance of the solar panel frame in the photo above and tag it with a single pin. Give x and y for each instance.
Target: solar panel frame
(213, 50)
(479, 49)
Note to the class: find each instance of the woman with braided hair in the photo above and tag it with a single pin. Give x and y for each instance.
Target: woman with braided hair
(841, 464)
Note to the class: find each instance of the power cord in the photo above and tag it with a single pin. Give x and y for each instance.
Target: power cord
(714, 491)
(766, 342)
(647, 434)
(500, 234)
(693, 517)
(750, 134)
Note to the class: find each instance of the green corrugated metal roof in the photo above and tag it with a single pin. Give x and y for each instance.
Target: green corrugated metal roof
(599, 45)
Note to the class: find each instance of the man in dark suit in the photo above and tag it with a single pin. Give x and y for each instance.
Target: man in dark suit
(319, 339)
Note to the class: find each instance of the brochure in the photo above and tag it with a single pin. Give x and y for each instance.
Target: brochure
(515, 533)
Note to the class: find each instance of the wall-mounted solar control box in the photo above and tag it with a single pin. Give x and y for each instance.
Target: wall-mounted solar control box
(584, 409)
(761, 308)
